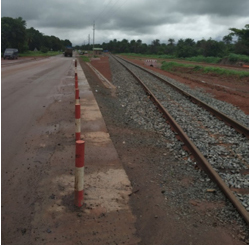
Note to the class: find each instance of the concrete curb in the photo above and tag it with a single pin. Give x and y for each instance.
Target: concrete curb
(106, 82)
(106, 183)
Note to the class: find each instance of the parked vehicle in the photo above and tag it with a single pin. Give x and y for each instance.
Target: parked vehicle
(10, 53)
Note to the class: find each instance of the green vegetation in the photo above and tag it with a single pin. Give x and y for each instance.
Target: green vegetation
(234, 58)
(222, 71)
(85, 58)
(234, 47)
(238, 58)
(169, 66)
(149, 56)
(14, 34)
(39, 53)
(200, 58)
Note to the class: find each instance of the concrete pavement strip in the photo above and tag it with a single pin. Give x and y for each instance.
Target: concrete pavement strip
(106, 184)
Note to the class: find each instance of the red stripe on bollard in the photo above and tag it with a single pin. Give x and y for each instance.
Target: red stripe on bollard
(77, 111)
(79, 173)
(77, 98)
(76, 82)
(80, 144)
(79, 198)
(76, 93)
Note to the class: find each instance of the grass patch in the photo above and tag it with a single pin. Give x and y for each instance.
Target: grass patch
(200, 58)
(227, 72)
(85, 58)
(169, 66)
(238, 58)
(39, 53)
(148, 56)
(233, 58)
(209, 59)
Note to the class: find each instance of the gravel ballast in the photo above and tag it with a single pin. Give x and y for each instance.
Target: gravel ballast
(224, 148)
(183, 186)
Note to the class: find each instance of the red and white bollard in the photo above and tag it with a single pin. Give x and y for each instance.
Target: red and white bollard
(77, 96)
(75, 68)
(76, 81)
(78, 121)
(79, 173)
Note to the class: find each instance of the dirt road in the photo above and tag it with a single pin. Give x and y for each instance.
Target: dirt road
(38, 141)
(28, 91)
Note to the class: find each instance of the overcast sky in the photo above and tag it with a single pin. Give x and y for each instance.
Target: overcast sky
(130, 19)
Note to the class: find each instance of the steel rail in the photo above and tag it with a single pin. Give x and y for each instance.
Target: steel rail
(233, 123)
(201, 160)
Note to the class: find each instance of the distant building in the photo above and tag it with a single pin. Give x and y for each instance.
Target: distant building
(97, 51)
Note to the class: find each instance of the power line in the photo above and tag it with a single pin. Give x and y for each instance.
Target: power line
(122, 4)
(108, 10)
(102, 10)
(112, 8)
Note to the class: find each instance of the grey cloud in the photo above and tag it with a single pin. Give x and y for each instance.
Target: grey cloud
(210, 7)
(142, 17)
(128, 18)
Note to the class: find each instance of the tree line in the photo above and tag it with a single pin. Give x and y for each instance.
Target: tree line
(237, 42)
(14, 34)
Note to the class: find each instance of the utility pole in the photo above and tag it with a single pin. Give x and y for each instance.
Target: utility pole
(94, 35)
(88, 42)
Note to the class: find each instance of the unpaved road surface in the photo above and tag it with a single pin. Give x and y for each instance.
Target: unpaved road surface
(32, 99)
(38, 148)
(27, 89)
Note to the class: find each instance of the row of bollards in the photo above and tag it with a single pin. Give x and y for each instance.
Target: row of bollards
(79, 150)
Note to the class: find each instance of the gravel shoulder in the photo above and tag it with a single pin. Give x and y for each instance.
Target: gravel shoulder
(170, 198)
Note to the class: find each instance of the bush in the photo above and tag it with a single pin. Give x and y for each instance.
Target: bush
(238, 58)
(223, 71)
(85, 58)
(197, 68)
(166, 57)
(208, 59)
(168, 66)
(44, 49)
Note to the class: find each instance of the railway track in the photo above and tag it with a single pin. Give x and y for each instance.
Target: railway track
(219, 149)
